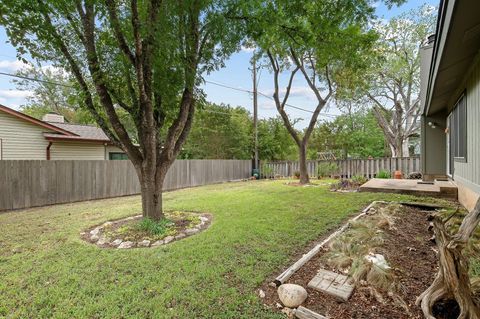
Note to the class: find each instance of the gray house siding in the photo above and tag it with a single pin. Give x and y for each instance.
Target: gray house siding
(469, 172)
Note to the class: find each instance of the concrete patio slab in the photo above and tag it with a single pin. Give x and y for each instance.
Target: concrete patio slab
(443, 189)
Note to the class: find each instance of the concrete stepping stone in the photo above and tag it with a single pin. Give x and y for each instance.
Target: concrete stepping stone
(331, 283)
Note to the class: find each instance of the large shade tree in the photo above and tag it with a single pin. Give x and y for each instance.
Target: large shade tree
(394, 78)
(144, 57)
(321, 41)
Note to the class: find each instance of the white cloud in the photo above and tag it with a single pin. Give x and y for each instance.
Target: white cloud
(15, 94)
(247, 49)
(267, 105)
(11, 66)
(295, 91)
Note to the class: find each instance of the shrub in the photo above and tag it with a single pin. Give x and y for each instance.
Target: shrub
(266, 171)
(384, 174)
(359, 179)
(296, 174)
(326, 169)
(154, 227)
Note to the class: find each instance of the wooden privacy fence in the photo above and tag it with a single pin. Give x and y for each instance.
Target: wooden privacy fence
(26, 184)
(351, 167)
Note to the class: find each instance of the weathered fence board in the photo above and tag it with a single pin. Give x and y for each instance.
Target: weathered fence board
(26, 184)
(351, 167)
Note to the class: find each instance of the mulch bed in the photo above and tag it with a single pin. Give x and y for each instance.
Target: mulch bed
(408, 251)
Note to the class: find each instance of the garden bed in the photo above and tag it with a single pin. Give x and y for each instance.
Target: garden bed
(403, 239)
(135, 232)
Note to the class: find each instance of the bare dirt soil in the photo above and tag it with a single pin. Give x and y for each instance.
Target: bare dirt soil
(408, 251)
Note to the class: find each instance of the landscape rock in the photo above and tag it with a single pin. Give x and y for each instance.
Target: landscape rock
(292, 295)
(180, 236)
(191, 231)
(102, 241)
(126, 244)
(378, 260)
(261, 293)
(116, 242)
(158, 243)
(168, 239)
(94, 238)
(289, 312)
(95, 231)
(144, 243)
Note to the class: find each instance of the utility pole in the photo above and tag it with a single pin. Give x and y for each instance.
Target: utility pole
(255, 112)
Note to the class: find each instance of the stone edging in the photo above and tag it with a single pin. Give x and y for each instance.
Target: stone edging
(95, 236)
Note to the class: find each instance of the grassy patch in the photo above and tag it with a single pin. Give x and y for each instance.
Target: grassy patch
(47, 271)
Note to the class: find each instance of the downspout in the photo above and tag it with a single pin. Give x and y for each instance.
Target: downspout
(48, 150)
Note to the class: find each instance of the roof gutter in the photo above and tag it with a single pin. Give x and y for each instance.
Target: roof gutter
(442, 11)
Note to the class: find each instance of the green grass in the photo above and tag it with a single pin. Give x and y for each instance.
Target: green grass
(47, 271)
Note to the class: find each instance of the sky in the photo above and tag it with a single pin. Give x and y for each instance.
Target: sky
(236, 73)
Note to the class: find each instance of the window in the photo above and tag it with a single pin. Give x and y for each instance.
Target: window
(117, 156)
(458, 127)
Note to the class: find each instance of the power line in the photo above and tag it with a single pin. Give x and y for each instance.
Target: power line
(207, 81)
(37, 80)
(266, 96)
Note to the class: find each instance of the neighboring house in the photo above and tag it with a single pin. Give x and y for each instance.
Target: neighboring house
(450, 94)
(23, 137)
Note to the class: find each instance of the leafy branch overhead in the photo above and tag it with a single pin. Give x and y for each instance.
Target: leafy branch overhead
(143, 58)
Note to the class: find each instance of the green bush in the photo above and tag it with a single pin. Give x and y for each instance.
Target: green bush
(359, 179)
(266, 171)
(383, 174)
(154, 227)
(326, 169)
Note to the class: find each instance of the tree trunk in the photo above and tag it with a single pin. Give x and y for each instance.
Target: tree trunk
(452, 281)
(304, 178)
(151, 192)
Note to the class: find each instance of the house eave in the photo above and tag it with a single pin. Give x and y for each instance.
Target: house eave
(456, 46)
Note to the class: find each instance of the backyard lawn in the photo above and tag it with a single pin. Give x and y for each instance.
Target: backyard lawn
(46, 270)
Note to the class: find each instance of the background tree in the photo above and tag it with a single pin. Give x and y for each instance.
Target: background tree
(351, 135)
(145, 57)
(53, 91)
(275, 143)
(394, 78)
(221, 132)
(320, 40)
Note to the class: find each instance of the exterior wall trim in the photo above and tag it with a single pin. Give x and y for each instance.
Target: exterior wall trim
(474, 187)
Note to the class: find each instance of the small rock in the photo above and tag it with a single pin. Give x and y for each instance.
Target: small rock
(94, 238)
(116, 242)
(180, 236)
(292, 295)
(279, 306)
(191, 231)
(204, 219)
(168, 239)
(288, 312)
(125, 245)
(272, 284)
(261, 293)
(95, 231)
(102, 241)
(158, 243)
(83, 233)
(378, 260)
(144, 243)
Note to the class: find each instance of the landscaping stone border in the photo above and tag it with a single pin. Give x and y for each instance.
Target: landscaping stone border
(95, 235)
